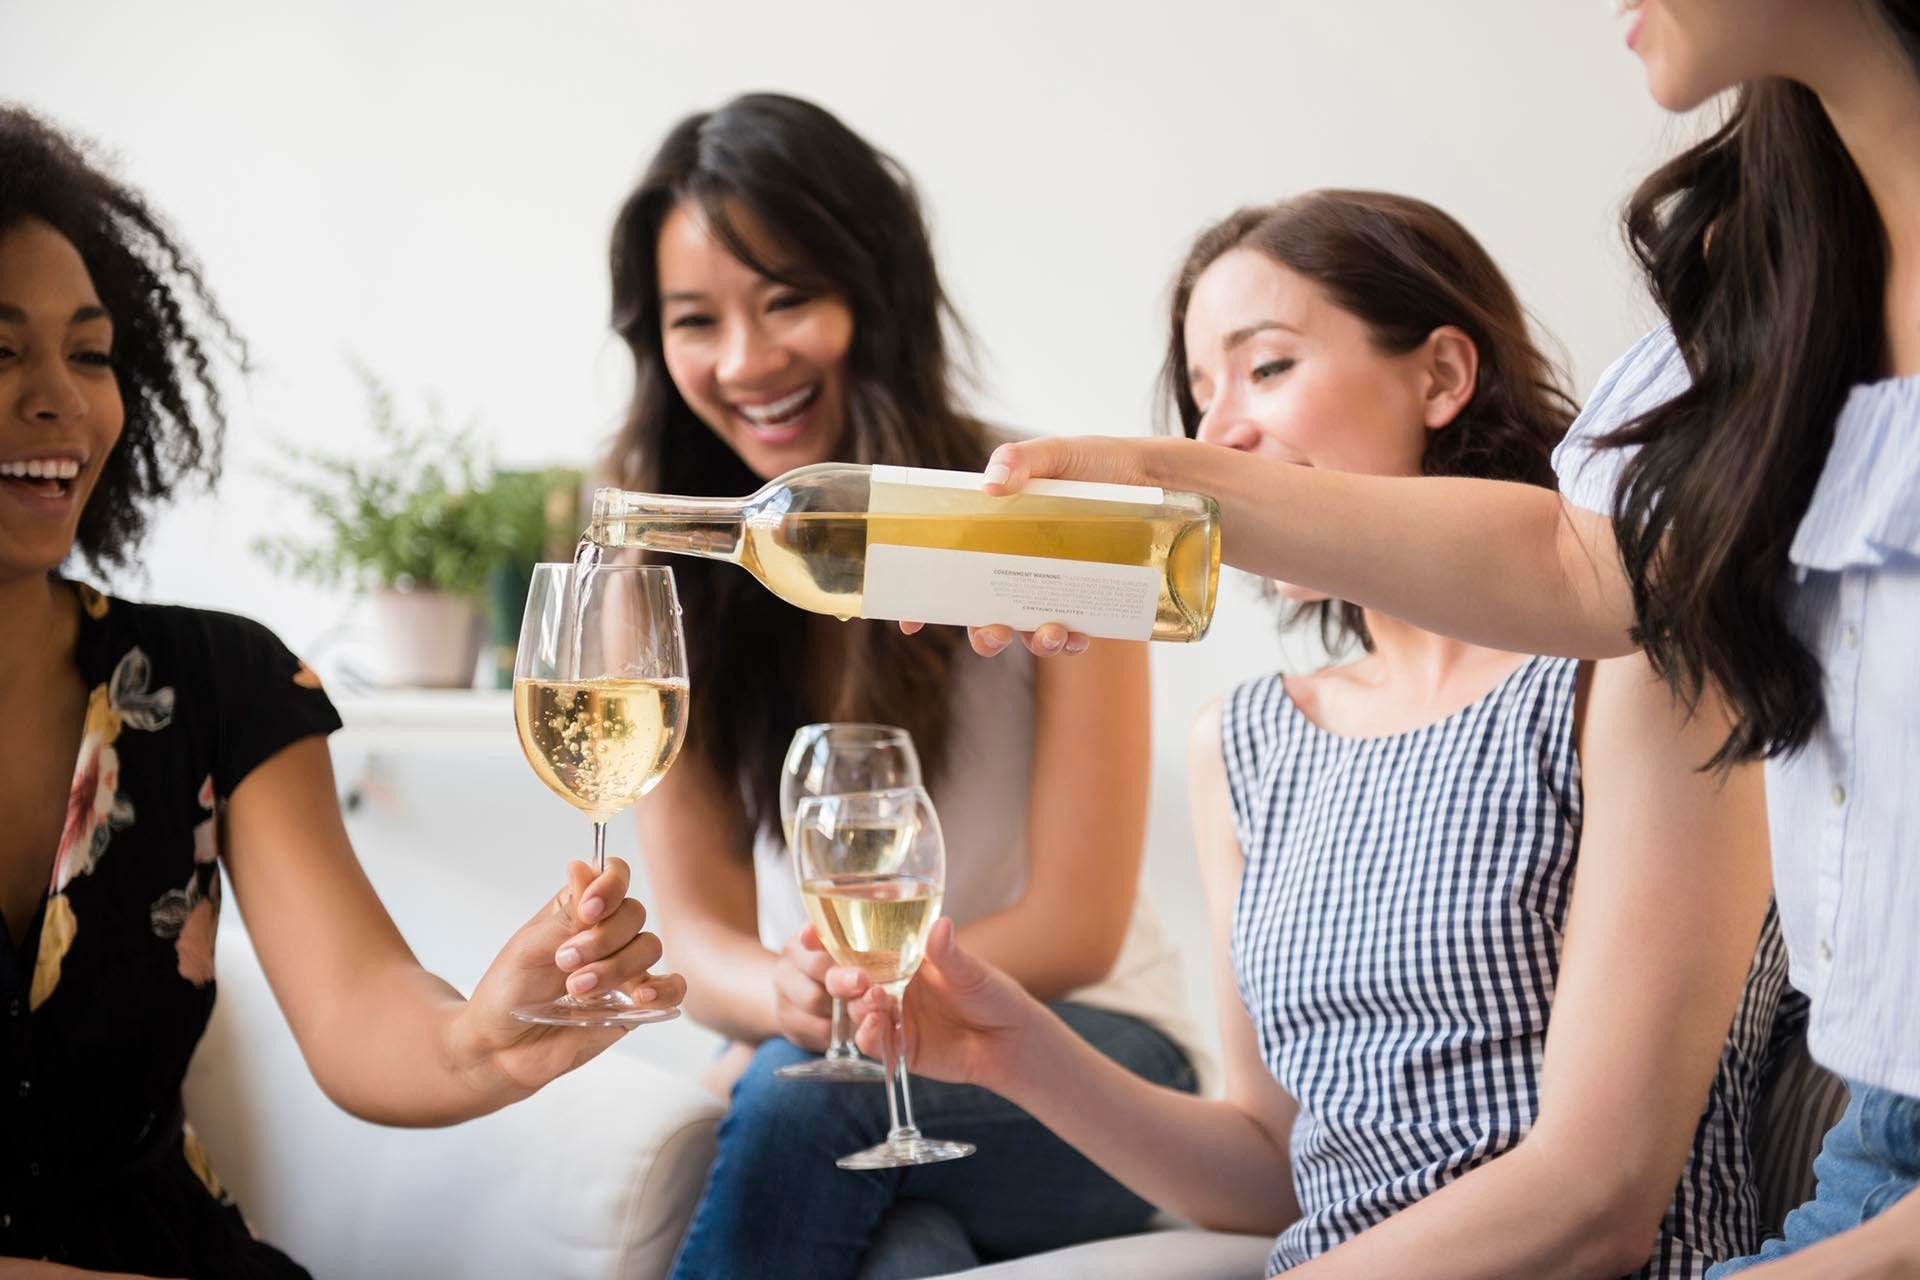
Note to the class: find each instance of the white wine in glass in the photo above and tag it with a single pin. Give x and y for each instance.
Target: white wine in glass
(878, 924)
(833, 759)
(872, 868)
(600, 703)
(600, 743)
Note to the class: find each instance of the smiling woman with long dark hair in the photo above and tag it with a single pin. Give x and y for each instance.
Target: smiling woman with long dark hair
(774, 281)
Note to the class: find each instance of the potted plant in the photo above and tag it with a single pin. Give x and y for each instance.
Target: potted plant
(418, 525)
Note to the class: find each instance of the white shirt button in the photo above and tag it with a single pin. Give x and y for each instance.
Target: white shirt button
(1826, 951)
(1850, 636)
(1839, 794)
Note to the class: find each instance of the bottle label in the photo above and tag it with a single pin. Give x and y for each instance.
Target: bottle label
(1136, 495)
(976, 588)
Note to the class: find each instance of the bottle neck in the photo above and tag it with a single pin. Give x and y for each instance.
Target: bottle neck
(709, 527)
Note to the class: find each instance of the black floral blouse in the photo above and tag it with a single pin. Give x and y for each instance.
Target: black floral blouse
(109, 992)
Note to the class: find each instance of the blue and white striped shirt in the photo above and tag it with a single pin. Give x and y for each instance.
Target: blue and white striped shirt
(1843, 812)
(1397, 938)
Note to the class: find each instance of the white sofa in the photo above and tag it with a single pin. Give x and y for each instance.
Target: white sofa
(594, 1177)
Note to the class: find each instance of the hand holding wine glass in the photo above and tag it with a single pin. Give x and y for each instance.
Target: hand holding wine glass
(805, 1014)
(588, 938)
(872, 870)
(964, 1020)
(834, 759)
(600, 702)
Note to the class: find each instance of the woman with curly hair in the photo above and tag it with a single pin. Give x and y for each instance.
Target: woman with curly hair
(151, 745)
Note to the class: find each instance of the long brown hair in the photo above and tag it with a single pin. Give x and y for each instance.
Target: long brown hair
(1764, 249)
(1404, 268)
(846, 218)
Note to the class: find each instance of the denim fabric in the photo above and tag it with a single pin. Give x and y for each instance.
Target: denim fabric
(1869, 1160)
(774, 1203)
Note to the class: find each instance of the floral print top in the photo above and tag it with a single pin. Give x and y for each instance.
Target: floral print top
(104, 1000)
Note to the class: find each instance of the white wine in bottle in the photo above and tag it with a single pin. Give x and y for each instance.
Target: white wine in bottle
(1123, 561)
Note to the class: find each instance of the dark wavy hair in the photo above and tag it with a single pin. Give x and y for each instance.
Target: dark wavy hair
(165, 328)
(1403, 268)
(1764, 249)
(845, 219)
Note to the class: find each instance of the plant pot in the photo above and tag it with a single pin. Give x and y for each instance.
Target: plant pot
(427, 639)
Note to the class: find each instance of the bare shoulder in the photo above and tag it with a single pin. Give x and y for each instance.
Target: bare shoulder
(1203, 736)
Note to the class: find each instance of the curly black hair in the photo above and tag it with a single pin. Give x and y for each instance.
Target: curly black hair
(161, 348)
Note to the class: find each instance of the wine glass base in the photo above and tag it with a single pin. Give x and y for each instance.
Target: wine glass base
(610, 1009)
(906, 1151)
(834, 1070)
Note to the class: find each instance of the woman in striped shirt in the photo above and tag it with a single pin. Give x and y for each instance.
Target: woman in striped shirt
(1389, 851)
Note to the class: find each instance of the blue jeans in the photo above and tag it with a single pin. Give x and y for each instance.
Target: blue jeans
(774, 1203)
(1868, 1161)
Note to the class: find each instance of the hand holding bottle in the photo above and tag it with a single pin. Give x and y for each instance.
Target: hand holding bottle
(1101, 459)
(1134, 562)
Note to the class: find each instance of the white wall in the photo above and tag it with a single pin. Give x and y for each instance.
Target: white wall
(427, 186)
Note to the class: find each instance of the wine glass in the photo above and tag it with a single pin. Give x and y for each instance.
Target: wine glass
(832, 759)
(600, 702)
(872, 868)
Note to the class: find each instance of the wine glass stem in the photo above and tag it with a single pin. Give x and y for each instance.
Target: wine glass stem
(900, 1107)
(840, 1046)
(599, 848)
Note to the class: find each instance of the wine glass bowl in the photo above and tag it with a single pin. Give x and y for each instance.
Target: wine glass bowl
(600, 706)
(872, 868)
(827, 759)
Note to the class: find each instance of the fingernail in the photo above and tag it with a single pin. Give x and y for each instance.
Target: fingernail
(998, 473)
(1050, 644)
(644, 994)
(995, 643)
(590, 909)
(568, 958)
(583, 981)
(1078, 644)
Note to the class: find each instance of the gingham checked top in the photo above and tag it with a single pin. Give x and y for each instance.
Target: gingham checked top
(1396, 941)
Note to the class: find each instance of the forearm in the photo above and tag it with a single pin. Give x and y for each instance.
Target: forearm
(1524, 1216)
(390, 1052)
(1206, 1160)
(1483, 561)
(730, 986)
(1051, 954)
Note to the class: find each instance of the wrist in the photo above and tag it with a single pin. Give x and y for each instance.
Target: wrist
(1030, 1048)
(1160, 460)
(467, 1054)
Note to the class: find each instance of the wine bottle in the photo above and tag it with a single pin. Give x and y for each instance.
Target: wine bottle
(1123, 561)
